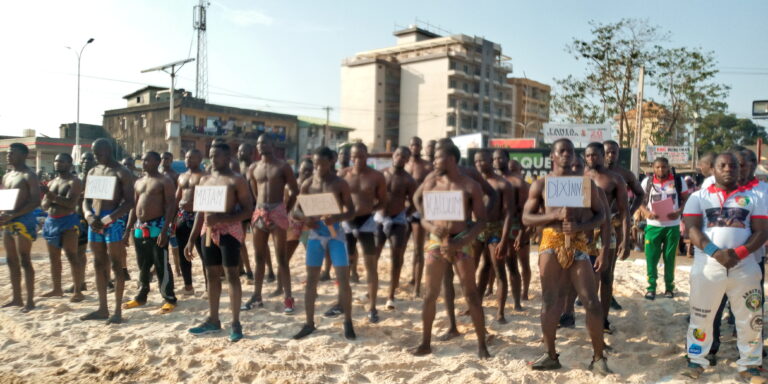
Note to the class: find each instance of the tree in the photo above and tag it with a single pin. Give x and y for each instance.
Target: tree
(685, 77)
(719, 131)
(613, 56)
(573, 100)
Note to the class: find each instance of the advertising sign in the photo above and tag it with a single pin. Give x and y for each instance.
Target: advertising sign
(579, 134)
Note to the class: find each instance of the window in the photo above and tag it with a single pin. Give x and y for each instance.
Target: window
(452, 65)
(451, 120)
(138, 100)
(466, 87)
(452, 83)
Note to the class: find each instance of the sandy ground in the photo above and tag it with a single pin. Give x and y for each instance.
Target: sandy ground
(51, 345)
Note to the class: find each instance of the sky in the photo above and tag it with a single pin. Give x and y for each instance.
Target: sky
(285, 56)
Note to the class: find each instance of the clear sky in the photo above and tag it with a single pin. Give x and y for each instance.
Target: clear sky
(285, 56)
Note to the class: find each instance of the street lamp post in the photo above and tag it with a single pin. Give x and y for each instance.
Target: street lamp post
(77, 123)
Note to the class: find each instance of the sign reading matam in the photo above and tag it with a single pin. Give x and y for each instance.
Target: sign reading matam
(319, 204)
(568, 191)
(210, 198)
(8, 199)
(100, 187)
(444, 206)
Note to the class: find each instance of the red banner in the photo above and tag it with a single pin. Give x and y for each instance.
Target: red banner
(512, 143)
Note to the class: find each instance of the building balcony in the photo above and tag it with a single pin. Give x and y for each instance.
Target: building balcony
(458, 73)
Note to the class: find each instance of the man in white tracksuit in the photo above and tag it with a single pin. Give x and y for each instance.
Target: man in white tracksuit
(727, 224)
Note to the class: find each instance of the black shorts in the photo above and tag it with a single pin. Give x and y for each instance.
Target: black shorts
(367, 240)
(227, 253)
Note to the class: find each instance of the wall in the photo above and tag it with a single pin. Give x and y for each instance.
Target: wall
(423, 100)
(359, 108)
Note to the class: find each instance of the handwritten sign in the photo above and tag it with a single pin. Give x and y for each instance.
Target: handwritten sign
(319, 204)
(568, 191)
(210, 198)
(444, 206)
(100, 187)
(8, 199)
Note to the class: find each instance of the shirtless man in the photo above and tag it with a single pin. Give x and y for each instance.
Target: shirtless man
(449, 245)
(634, 191)
(493, 242)
(296, 232)
(185, 218)
(87, 162)
(244, 160)
(130, 164)
(517, 251)
(222, 234)
(561, 264)
(522, 248)
(418, 168)
(369, 194)
(269, 178)
(20, 225)
(106, 224)
(152, 216)
(322, 240)
(393, 218)
(616, 194)
(167, 170)
(61, 227)
(430, 151)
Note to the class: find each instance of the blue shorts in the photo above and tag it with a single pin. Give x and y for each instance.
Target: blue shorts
(173, 242)
(320, 239)
(113, 233)
(23, 225)
(53, 228)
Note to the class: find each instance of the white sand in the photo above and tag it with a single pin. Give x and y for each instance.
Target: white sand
(51, 345)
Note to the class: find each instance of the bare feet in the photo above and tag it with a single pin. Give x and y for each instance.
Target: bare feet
(28, 307)
(53, 293)
(500, 319)
(13, 303)
(76, 298)
(354, 277)
(464, 312)
(525, 296)
(421, 350)
(276, 293)
(96, 315)
(115, 319)
(450, 334)
(518, 308)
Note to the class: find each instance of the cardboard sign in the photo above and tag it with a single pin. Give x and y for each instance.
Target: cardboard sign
(444, 206)
(568, 191)
(100, 187)
(8, 199)
(210, 198)
(319, 204)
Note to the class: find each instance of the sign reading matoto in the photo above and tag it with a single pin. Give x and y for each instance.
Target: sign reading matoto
(568, 191)
(100, 187)
(210, 198)
(444, 206)
(8, 199)
(319, 204)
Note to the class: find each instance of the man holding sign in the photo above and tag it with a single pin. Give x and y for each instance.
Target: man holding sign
(325, 234)
(62, 225)
(19, 224)
(269, 178)
(155, 206)
(106, 203)
(449, 240)
(563, 252)
(219, 217)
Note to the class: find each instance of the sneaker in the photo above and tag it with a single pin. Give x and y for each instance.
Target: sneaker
(669, 294)
(305, 331)
(373, 316)
(712, 358)
(615, 304)
(752, 376)
(693, 370)
(578, 303)
(607, 328)
(390, 304)
(567, 320)
(188, 292)
(205, 327)
(288, 304)
(252, 303)
(349, 331)
(546, 363)
(249, 276)
(600, 367)
(236, 333)
(650, 295)
(334, 311)
(271, 277)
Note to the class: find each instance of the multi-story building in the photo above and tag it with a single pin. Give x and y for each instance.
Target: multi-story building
(140, 126)
(42, 149)
(530, 107)
(655, 124)
(429, 86)
(313, 134)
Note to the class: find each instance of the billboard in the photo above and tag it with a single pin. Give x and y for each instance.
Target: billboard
(675, 155)
(512, 143)
(579, 134)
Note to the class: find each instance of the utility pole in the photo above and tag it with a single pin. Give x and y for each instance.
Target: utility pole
(172, 134)
(639, 121)
(326, 135)
(76, 149)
